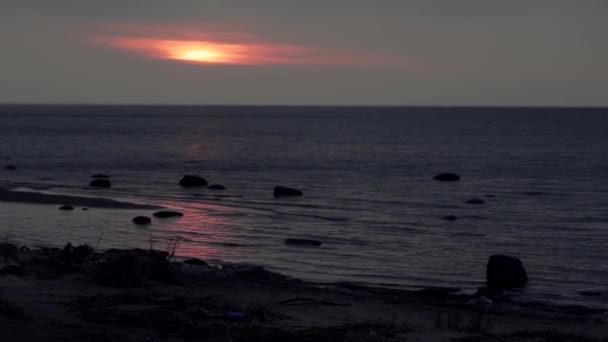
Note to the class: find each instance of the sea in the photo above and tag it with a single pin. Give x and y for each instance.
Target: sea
(367, 178)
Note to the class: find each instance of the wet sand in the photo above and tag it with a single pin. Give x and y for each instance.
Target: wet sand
(55, 300)
(81, 201)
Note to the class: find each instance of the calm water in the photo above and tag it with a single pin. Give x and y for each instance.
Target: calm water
(367, 178)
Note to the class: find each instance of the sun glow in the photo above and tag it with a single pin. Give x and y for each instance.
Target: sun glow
(246, 51)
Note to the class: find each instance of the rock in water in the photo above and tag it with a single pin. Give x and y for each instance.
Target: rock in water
(100, 183)
(216, 187)
(476, 201)
(141, 220)
(100, 175)
(66, 207)
(281, 191)
(192, 181)
(447, 177)
(450, 218)
(167, 214)
(11, 167)
(505, 272)
(302, 242)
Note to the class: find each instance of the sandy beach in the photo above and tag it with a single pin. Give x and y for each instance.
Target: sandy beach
(76, 294)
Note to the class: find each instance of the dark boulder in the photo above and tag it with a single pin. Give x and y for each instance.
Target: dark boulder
(189, 181)
(447, 177)
(167, 214)
(476, 201)
(66, 207)
(281, 191)
(11, 167)
(450, 218)
(141, 220)
(302, 242)
(216, 187)
(100, 175)
(505, 272)
(195, 261)
(100, 183)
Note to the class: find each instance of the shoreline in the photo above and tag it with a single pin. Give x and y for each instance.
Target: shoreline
(60, 294)
(33, 197)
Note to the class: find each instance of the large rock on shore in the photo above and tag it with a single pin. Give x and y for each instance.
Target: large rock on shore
(282, 191)
(167, 214)
(189, 181)
(447, 177)
(142, 220)
(100, 183)
(505, 272)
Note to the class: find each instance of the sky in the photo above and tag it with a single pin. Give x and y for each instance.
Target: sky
(314, 52)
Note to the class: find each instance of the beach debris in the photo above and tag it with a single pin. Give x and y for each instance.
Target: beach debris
(133, 268)
(302, 242)
(100, 183)
(167, 214)
(66, 207)
(11, 167)
(505, 272)
(8, 251)
(304, 301)
(447, 177)
(142, 220)
(216, 187)
(11, 269)
(100, 175)
(476, 201)
(189, 181)
(480, 302)
(24, 248)
(282, 191)
(450, 218)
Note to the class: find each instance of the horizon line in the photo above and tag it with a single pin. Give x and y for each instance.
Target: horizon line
(497, 106)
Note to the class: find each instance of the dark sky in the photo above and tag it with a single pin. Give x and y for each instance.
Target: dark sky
(382, 52)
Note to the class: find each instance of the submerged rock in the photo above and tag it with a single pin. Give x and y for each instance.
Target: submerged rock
(476, 201)
(505, 272)
(66, 207)
(11, 167)
(100, 175)
(447, 177)
(167, 214)
(282, 191)
(216, 187)
(189, 181)
(100, 183)
(591, 293)
(302, 242)
(450, 218)
(141, 220)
